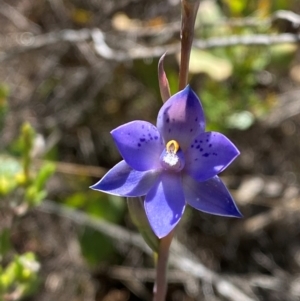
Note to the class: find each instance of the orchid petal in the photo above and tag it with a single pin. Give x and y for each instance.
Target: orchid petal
(163, 80)
(140, 144)
(164, 203)
(181, 118)
(122, 180)
(210, 196)
(209, 154)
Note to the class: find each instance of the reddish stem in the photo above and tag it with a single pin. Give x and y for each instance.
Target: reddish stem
(160, 287)
(189, 9)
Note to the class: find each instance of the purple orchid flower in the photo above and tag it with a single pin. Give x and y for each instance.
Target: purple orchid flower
(173, 164)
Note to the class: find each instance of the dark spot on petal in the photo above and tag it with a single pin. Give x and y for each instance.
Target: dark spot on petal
(168, 120)
(142, 139)
(215, 154)
(139, 145)
(173, 119)
(169, 130)
(201, 150)
(196, 141)
(196, 119)
(198, 146)
(210, 145)
(205, 155)
(155, 137)
(201, 141)
(206, 140)
(191, 130)
(192, 146)
(196, 159)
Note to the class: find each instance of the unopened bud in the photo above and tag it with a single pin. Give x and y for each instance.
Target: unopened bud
(139, 218)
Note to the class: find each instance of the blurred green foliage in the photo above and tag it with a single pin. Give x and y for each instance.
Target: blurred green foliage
(19, 278)
(230, 92)
(4, 93)
(10, 170)
(5, 244)
(240, 8)
(16, 173)
(21, 185)
(95, 246)
(21, 180)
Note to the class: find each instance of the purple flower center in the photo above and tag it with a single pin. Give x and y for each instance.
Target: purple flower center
(172, 157)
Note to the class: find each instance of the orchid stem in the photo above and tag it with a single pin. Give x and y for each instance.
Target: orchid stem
(160, 287)
(189, 9)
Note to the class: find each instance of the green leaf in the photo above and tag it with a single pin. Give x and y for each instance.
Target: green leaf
(95, 246)
(283, 54)
(21, 274)
(9, 170)
(45, 172)
(5, 244)
(236, 6)
(110, 208)
(215, 67)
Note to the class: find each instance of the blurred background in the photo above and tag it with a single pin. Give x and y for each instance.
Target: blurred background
(70, 72)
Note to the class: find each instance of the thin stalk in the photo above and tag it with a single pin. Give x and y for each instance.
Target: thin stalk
(189, 9)
(160, 287)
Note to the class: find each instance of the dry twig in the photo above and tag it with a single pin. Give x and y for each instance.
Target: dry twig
(141, 52)
(180, 257)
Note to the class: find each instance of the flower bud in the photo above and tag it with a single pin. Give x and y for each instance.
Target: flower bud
(139, 218)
